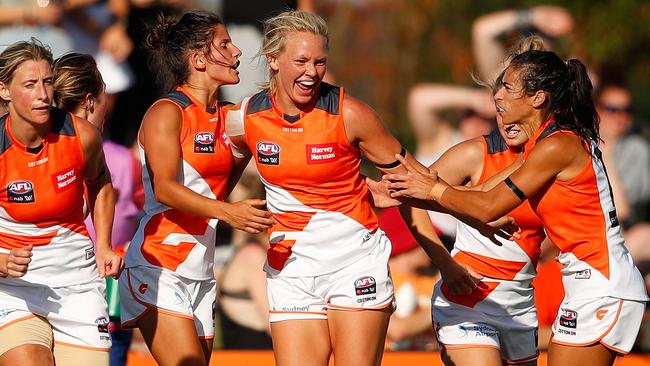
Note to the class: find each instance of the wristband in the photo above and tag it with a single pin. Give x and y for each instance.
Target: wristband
(437, 191)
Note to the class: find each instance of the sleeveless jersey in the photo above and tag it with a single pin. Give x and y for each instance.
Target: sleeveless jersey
(504, 263)
(580, 218)
(174, 239)
(42, 203)
(313, 185)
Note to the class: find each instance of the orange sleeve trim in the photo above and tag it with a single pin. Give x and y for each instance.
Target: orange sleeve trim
(597, 340)
(17, 320)
(99, 349)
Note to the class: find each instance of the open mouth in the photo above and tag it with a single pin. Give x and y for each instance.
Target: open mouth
(511, 131)
(306, 85)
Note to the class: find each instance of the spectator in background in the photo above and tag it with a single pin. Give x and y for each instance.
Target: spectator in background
(79, 89)
(435, 134)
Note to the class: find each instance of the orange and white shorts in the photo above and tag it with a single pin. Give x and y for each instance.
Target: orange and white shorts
(611, 321)
(78, 314)
(363, 285)
(145, 289)
(505, 320)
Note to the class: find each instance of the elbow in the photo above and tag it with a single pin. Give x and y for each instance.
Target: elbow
(161, 193)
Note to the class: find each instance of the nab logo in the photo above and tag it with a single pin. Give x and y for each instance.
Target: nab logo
(268, 153)
(365, 285)
(569, 318)
(20, 191)
(204, 142)
(600, 314)
(143, 288)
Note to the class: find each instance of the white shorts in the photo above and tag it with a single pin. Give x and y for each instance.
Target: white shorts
(149, 288)
(78, 314)
(611, 321)
(363, 285)
(512, 329)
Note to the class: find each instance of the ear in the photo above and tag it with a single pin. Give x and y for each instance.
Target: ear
(539, 98)
(88, 102)
(4, 92)
(273, 63)
(197, 60)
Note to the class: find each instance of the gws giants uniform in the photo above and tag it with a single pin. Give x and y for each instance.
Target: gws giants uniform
(604, 291)
(326, 240)
(42, 204)
(501, 312)
(169, 262)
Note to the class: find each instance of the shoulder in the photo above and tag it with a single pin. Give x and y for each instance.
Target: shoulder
(163, 111)
(561, 146)
(357, 110)
(88, 133)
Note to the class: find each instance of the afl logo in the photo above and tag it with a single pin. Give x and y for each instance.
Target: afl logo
(365, 285)
(204, 142)
(569, 318)
(20, 191)
(268, 153)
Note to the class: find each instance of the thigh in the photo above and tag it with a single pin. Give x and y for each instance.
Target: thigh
(358, 336)
(160, 329)
(27, 341)
(304, 342)
(594, 355)
(65, 355)
(471, 356)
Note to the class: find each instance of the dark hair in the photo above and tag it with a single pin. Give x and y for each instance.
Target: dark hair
(170, 41)
(75, 75)
(569, 89)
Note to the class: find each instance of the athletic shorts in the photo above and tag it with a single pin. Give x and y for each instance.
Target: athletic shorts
(511, 328)
(611, 321)
(148, 288)
(77, 313)
(363, 285)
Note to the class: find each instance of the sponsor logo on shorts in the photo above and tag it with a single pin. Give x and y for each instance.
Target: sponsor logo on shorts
(365, 286)
(63, 180)
(5, 312)
(322, 153)
(89, 253)
(600, 314)
(295, 308)
(102, 324)
(367, 236)
(613, 220)
(143, 288)
(569, 318)
(268, 153)
(204, 143)
(20, 191)
(585, 274)
(179, 299)
(566, 332)
(476, 331)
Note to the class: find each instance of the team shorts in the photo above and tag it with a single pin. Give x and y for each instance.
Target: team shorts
(77, 314)
(611, 321)
(148, 288)
(512, 329)
(363, 285)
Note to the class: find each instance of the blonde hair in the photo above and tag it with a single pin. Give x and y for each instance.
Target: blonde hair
(75, 75)
(276, 30)
(14, 55)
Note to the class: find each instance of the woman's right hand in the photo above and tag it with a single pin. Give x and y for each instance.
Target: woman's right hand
(244, 215)
(15, 263)
(460, 279)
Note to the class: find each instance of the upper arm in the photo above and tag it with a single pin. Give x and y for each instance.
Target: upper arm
(160, 137)
(461, 163)
(364, 129)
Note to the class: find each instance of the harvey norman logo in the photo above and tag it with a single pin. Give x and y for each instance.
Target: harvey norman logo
(322, 153)
(63, 179)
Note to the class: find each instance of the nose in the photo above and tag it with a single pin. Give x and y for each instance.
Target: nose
(42, 92)
(236, 51)
(498, 94)
(310, 69)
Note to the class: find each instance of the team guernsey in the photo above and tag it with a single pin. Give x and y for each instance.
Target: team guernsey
(42, 204)
(172, 239)
(500, 312)
(593, 254)
(324, 219)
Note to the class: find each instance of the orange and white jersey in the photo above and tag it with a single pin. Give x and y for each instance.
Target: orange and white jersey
(504, 263)
(580, 218)
(324, 219)
(42, 204)
(170, 238)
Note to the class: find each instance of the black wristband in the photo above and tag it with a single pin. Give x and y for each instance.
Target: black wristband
(515, 189)
(394, 164)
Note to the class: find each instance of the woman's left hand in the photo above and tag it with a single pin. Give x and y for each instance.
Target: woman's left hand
(415, 184)
(108, 262)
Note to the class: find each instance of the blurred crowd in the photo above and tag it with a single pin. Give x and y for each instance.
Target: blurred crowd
(441, 115)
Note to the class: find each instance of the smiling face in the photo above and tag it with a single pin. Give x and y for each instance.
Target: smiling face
(517, 113)
(30, 91)
(222, 61)
(299, 69)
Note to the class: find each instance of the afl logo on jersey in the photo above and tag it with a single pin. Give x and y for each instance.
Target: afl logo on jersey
(268, 153)
(204, 143)
(20, 191)
(365, 286)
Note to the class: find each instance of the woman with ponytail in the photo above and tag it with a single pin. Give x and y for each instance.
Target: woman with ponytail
(168, 289)
(564, 179)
